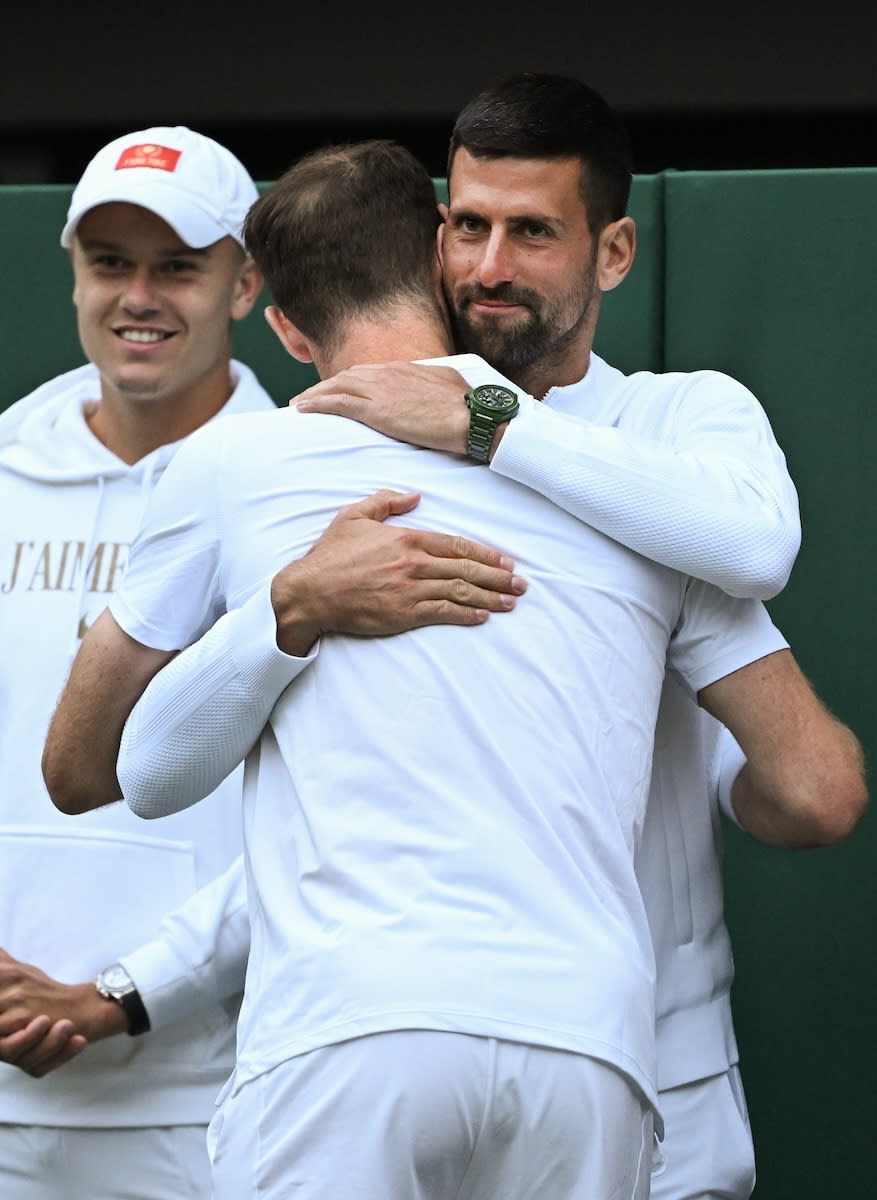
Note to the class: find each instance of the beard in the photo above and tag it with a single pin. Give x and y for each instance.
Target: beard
(542, 334)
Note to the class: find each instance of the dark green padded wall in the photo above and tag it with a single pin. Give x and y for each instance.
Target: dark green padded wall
(37, 318)
(773, 278)
(630, 332)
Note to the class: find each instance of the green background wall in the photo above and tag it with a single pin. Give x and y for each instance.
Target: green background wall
(772, 277)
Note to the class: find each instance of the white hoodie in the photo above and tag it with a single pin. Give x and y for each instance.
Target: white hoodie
(78, 893)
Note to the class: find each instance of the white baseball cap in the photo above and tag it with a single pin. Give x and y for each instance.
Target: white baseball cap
(187, 179)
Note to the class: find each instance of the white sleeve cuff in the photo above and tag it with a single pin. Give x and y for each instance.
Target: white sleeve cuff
(259, 661)
(730, 761)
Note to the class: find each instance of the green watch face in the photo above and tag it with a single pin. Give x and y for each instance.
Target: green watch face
(490, 406)
(492, 395)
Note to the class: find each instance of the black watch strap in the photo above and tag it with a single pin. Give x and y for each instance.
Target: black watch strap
(138, 1017)
(114, 983)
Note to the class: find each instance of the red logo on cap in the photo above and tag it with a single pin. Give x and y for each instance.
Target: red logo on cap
(149, 155)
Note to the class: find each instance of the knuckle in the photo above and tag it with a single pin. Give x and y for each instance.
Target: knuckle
(410, 554)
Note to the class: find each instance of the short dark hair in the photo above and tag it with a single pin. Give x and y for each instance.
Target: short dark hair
(552, 116)
(348, 230)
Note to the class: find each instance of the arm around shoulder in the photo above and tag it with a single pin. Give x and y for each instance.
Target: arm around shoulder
(707, 492)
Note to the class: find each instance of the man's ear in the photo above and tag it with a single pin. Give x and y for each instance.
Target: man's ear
(247, 289)
(440, 240)
(291, 337)
(615, 253)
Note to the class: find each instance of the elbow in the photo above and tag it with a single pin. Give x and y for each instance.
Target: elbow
(148, 795)
(830, 813)
(843, 811)
(845, 788)
(147, 807)
(68, 789)
(770, 569)
(760, 565)
(64, 793)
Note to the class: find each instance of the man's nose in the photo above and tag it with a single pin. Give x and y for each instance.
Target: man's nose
(496, 265)
(139, 295)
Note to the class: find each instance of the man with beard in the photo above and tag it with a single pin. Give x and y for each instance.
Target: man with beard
(682, 468)
(810, 821)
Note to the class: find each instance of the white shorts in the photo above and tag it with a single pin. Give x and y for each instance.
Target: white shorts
(707, 1151)
(42, 1162)
(423, 1115)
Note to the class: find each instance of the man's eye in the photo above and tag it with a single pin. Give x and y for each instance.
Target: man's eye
(534, 230)
(109, 262)
(179, 266)
(471, 224)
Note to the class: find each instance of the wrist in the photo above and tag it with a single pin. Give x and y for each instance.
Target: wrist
(95, 1016)
(460, 434)
(497, 438)
(295, 609)
(490, 405)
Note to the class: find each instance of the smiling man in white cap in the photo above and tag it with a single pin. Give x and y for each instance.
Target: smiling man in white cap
(160, 276)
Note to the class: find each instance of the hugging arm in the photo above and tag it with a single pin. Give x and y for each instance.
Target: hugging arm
(108, 676)
(201, 715)
(711, 498)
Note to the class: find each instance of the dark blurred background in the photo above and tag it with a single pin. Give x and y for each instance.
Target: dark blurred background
(702, 86)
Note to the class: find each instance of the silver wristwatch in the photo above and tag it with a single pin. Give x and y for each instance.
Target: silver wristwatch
(114, 983)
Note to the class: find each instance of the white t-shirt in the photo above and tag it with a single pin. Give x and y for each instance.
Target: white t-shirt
(439, 827)
(685, 467)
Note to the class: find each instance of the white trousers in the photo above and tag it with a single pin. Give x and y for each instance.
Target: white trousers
(422, 1115)
(707, 1150)
(41, 1162)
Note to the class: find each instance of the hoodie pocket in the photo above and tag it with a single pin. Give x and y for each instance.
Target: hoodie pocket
(73, 901)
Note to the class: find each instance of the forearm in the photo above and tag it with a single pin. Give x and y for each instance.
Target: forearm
(197, 960)
(706, 491)
(108, 675)
(807, 806)
(203, 713)
(803, 783)
(27, 993)
(712, 512)
(92, 1014)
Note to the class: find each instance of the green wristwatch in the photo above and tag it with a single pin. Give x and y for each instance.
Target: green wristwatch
(489, 406)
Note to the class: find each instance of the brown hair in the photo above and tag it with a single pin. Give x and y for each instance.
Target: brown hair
(347, 231)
